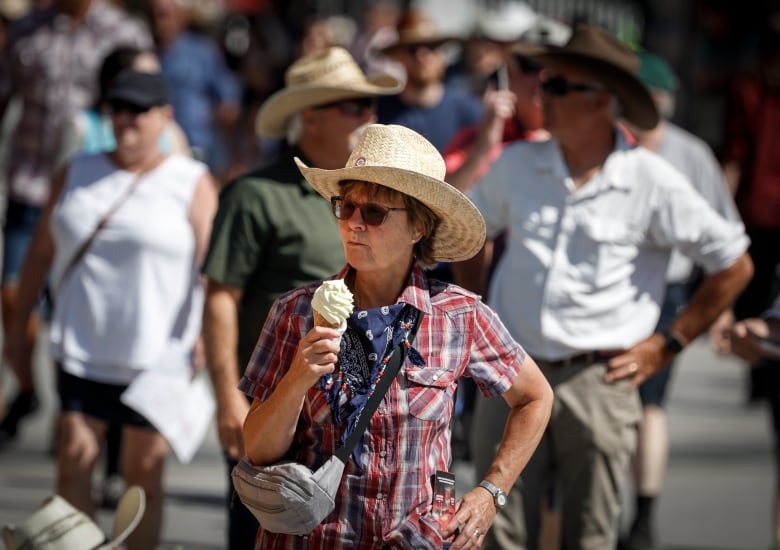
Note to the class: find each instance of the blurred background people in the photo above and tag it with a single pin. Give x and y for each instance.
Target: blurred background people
(693, 158)
(50, 61)
(757, 339)
(426, 104)
(206, 95)
(592, 222)
(124, 233)
(273, 231)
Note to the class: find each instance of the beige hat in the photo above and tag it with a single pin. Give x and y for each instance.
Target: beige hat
(57, 525)
(317, 79)
(401, 159)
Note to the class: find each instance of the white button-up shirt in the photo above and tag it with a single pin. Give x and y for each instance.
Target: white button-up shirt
(584, 269)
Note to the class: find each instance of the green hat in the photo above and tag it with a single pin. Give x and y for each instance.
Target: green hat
(656, 73)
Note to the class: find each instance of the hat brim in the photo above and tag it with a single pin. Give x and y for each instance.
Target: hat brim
(635, 99)
(461, 230)
(272, 119)
(129, 513)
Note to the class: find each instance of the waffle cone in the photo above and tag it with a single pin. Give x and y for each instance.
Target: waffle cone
(321, 321)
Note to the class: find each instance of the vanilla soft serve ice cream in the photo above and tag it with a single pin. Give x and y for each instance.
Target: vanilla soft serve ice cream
(332, 304)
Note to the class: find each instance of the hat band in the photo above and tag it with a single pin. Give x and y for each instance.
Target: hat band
(56, 530)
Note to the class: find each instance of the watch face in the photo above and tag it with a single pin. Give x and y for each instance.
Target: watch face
(500, 500)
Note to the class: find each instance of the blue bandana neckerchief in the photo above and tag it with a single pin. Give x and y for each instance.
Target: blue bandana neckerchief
(372, 336)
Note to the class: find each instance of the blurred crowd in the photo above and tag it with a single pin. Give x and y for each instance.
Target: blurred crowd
(98, 97)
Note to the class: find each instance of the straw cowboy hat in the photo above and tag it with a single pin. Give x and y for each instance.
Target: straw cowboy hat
(401, 159)
(317, 79)
(415, 28)
(601, 55)
(59, 526)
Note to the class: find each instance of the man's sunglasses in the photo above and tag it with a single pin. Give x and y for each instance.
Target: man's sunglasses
(372, 214)
(526, 65)
(412, 49)
(118, 107)
(559, 86)
(350, 107)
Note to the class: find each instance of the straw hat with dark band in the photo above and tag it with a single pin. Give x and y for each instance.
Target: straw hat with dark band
(602, 56)
(318, 79)
(401, 159)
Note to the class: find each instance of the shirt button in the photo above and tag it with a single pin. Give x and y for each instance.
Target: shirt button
(383, 453)
(376, 538)
(382, 410)
(435, 377)
(379, 496)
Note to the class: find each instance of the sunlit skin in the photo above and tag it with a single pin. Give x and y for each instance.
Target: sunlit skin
(382, 251)
(525, 86)
(424, 66)
(137, 135)
(564, 114)
(330, 135)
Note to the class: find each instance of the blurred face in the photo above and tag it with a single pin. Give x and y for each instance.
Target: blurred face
(569, 98)
(137, 130)
(386, 247)
(335, 125)
(524, 82)
(424, 63)
(168, 18)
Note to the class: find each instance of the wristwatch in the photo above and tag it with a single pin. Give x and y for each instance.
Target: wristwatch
(499, 496)
(672, 342)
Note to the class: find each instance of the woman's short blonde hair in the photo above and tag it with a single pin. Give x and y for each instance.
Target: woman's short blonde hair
(420, 216)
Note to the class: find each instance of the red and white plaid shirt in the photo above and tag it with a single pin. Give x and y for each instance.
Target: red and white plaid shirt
(385, 502)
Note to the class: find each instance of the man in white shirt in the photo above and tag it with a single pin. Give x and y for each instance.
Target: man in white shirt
(592, 223)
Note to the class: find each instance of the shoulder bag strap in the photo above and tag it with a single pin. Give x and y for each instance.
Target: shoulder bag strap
(101, 224)
(393, 366)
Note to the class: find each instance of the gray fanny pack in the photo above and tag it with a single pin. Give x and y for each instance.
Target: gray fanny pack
(287, 497)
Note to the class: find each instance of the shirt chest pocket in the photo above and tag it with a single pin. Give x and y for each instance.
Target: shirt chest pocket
(429, 392)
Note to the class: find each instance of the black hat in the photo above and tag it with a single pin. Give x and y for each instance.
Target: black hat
(140, 89)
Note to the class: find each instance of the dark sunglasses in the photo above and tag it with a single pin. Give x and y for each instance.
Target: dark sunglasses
(118, 107)
(412, 49)
(351, 107)
(526, 65)
(559, 86)
(372, 214)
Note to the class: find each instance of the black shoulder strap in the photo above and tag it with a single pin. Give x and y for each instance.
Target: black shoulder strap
(393, 366)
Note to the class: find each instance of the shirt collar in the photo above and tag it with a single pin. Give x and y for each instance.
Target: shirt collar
(417, 292)
(611, 173)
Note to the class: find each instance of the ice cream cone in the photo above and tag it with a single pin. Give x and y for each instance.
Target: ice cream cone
(321, 321)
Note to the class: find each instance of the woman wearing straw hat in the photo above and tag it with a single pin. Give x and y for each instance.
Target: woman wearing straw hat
(396, 217)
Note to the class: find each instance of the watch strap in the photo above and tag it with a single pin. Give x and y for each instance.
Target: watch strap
(672, 341)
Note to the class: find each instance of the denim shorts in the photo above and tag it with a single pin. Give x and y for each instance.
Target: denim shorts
(98, 400)
(20, 223)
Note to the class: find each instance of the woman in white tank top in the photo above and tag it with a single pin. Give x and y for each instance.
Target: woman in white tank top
(129, 301)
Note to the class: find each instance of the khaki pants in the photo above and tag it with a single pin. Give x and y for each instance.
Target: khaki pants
(581, 463)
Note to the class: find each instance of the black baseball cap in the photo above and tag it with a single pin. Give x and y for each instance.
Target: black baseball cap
(141, 89)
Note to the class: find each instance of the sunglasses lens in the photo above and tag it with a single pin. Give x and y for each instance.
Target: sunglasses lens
(526, 65)
(373, 214)
(555, 86)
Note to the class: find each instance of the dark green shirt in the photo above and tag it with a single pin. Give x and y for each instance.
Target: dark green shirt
(272, 232)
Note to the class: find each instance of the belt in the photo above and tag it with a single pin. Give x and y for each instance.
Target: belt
(580, 358)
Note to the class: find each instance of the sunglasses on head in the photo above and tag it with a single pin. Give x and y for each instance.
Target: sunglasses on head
(372, 213)
(526, 65)
(559, 86)
(350, 107)
(118, 106)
